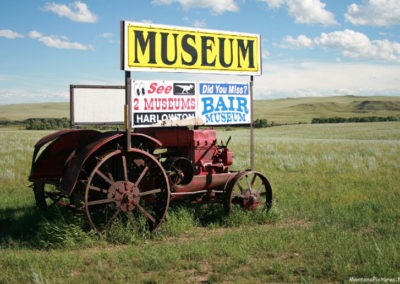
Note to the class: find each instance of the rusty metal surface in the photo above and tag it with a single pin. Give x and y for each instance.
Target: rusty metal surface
(202, 182)
(106, 141)
(53, 136)
(49, 164)
(199, 146)
(71, 173)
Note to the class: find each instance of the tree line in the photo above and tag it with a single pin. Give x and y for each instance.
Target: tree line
(60, 123)
(355, 119)
(39, 123)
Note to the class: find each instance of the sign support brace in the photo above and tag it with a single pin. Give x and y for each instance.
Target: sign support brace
(128, 110)
(251, 125)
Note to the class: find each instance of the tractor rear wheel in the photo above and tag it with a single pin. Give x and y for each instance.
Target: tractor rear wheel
(47, 194)
(248, 190)
(125, 188)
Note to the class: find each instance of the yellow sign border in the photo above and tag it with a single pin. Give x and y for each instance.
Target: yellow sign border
(181, 49)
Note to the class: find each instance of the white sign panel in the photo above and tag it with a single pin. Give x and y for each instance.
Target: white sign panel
(159, 102)
(98, 105)
(173, 103)
(224, 103)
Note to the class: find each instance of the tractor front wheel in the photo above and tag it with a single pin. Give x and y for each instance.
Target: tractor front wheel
(248, 190)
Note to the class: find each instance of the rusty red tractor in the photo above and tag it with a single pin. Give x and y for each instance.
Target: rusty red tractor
(97, 173)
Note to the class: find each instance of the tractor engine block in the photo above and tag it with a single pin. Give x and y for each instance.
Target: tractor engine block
(191, 152)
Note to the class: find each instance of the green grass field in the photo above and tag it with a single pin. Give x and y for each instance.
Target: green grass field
(335, 218)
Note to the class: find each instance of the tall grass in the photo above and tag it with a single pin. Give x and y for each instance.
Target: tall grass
(335, 216)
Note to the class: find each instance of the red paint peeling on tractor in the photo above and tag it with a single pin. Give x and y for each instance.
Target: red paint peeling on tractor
(49, 162)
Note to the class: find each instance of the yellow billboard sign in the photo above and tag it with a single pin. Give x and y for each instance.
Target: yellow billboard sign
(151, 47)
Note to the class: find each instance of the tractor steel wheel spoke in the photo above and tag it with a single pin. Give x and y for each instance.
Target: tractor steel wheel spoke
(100, 201)
(98, 189)
(111, 177)
(249, 186)
(150, 192)
(142, 175)
(253, 180)
(109, 223)
(104, 177)
(240, 187)
(124, 166)
(147, 214)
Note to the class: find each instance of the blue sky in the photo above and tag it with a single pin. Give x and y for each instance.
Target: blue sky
(310, 47)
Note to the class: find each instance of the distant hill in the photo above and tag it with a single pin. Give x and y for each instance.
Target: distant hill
(40, 110)
(292, 110)
(289, 110)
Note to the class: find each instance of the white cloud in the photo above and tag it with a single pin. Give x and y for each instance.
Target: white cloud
(106, 35)
(10, 34)
(274, 3)
(146, 21)
(305, 11)
(327, 79)
(381, 13)
(109, 37)
(58, 42)
(300, 41)
(196, 23)
(352, 44)
(218, 7)
(199, 23)
(265, 54)
(77, 12)
(348, 40)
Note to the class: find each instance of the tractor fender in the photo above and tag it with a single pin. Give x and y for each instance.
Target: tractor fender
(52, 152)
(107, 141)
(57, 135)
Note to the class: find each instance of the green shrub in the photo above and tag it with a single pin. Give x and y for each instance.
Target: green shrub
(260, 123)
(46, 123)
